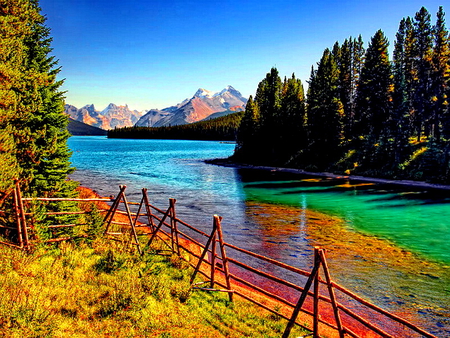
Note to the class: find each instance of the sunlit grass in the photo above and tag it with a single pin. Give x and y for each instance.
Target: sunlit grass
(104, 290)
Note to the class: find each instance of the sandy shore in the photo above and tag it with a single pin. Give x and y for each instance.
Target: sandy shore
(423, 185)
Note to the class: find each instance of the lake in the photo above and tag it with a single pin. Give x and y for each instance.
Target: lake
(387, 243)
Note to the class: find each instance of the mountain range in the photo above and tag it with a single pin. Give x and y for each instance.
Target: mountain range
(109, 118)
(204, 104)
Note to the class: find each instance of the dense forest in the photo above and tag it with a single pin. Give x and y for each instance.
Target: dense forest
(222, 128)
(33, 126)
(363, 113)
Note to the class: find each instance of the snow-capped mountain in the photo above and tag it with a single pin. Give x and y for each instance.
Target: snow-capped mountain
(200, 106)
(109, 118)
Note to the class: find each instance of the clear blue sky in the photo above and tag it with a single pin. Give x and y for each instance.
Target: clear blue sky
(155, 53)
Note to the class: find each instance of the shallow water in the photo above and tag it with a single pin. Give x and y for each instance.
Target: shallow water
(390, 244)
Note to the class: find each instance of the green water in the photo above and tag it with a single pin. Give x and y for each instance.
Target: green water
(414, 280)
(416, 220)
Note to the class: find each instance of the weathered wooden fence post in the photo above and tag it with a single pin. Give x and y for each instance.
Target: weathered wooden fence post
(316, 296)
(332, 295)
(205, 251)
(161, 222)
(302, 299)
(22, 223)
(223, 253)
(109, 217)
(213, 255)
(148, 209)
(18, 217)
(112, 210)
(132, 224)
(174, 227)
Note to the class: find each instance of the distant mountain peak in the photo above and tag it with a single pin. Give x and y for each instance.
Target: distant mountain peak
(110, 117)
(200, 106)
(203, 93)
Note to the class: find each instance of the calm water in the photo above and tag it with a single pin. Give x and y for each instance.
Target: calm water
(389, 244)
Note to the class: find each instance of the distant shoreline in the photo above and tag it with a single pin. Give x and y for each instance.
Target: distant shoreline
(225, 162)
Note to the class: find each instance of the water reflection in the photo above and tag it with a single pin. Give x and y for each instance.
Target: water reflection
(390, 244)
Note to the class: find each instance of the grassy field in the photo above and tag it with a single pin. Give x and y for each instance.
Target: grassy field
(101, 289)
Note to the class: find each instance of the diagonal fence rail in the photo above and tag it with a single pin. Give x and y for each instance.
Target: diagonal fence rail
(310, 299)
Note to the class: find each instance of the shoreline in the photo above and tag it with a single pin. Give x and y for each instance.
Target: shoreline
(225, 162)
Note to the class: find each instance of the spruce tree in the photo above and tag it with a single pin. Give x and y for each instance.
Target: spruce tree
(292, 119)
(247, 144)
(15, 22)
(375, 90)
(349, 63)
(374, 106)
(440, 78)
(400, 112)
(268, 99)
(324, 114)
(32, 120)
(422, 95)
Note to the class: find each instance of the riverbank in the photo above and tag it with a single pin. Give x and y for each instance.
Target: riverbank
(225, 162)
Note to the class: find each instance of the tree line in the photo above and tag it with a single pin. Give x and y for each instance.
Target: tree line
(363, 113)
(222, 128)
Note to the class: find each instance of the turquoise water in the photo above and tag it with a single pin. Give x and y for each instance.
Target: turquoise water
(417, 221)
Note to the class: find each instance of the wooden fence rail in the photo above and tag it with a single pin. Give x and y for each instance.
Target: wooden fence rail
(333, 310)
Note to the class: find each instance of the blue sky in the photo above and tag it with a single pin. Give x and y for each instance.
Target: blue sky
(155, 53)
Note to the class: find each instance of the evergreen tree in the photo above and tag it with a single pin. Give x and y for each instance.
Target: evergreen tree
(324, 113)
(349, 63)
(375, 90)
(247, 144)
(422, 95)
(440, 78)
(32, 120)
(400, 111)
(15, 22)
(292, 119)
(268, 98)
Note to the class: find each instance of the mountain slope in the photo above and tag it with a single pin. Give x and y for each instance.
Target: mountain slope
(203, 104)
(82, 129)
(109, 118)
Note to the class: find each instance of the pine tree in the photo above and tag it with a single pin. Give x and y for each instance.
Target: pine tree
(32, 120)
(400, 110)
(349, 63)
(440, 78)
(292, 119)
(15, 20)
(324, 113)
(268, 99)
(422, 95)
(375, 90)
(247, 145)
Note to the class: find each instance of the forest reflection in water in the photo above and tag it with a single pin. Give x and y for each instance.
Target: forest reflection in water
(395, 278)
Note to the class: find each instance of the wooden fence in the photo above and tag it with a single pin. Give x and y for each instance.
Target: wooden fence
(310, 299)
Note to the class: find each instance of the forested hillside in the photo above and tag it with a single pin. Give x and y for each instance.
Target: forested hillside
(222, 129)
(363, 113)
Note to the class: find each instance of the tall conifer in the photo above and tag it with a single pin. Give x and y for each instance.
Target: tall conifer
(422, 94)
(32, 120)
(375, 90)
(400, 110)
(247, 145)
(268, 99)
(292, 119)
(440, 78)
(324, 113)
